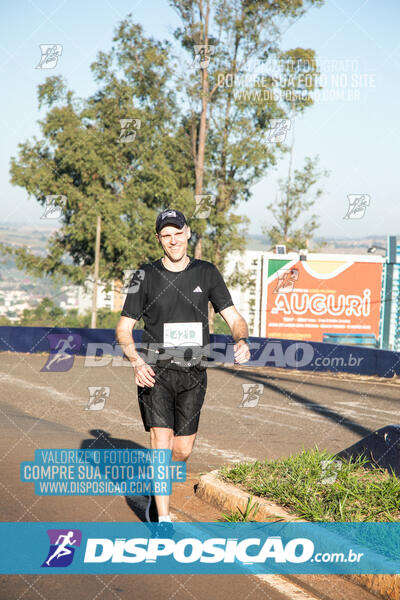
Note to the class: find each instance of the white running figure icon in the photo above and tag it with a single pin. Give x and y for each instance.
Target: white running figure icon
(61, 354)
(61, 548)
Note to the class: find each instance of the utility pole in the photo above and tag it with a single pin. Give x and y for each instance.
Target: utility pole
(96, 273)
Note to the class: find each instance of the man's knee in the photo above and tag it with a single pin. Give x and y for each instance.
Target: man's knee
(181, 454)
(182, 448)
(161, 437)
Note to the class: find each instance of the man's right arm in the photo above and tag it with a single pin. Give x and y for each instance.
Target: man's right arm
(144, 374)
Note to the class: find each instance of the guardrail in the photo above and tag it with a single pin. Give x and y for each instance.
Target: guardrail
(291, 354)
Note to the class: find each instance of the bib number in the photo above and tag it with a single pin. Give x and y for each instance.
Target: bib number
(183, 334)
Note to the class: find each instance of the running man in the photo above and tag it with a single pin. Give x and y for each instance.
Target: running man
(172, 298)
(61, 354)
(62, 549)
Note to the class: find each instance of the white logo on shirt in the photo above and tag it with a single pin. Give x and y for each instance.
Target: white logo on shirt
(198, 289)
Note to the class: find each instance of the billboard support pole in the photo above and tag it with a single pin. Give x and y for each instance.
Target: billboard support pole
(261, 297)
(388, 290)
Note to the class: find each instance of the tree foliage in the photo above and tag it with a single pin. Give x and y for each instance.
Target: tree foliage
(294, 226)
(244, 56)
(194, 133)
(82, 158)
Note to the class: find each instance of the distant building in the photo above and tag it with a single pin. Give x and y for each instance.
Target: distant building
(14, 302)
(80, 297)
(245, 297)
(71, 293)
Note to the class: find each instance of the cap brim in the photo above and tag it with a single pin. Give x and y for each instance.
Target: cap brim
(168, 222)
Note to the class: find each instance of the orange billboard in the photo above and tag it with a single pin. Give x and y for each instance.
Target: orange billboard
(309, 298)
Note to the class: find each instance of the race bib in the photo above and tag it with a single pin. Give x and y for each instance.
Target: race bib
(183, 334)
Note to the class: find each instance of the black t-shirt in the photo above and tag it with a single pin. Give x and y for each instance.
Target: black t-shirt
(174, 305)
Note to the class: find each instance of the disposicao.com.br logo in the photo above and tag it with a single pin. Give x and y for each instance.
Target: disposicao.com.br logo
(62, 547)
(200, 548)
(185, 551)
(191, 550)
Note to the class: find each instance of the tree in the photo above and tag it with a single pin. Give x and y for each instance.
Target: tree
(193, 134)
(297, 196)
(231, 100)
(227, 129)
(117, 155)
(44, 314)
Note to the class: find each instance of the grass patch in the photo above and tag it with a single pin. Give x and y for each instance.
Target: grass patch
(318, 487)
(240, 516)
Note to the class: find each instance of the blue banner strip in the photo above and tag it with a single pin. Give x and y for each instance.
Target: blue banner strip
(290, 354)
(200, 548)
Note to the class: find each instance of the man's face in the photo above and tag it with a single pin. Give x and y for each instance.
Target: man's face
(174, 241)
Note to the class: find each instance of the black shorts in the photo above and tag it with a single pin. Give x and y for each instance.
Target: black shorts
(175, 400)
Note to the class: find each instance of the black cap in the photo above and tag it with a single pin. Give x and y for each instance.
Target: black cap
(170, 217)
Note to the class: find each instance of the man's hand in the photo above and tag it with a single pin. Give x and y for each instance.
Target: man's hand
(241, 352)
(144, 374)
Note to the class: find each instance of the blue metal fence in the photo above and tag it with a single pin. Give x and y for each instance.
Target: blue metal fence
(291, 354)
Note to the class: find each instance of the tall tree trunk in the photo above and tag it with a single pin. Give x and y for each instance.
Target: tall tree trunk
(289, 179)
(200, 149)
(96, 273)
(211, 311)
(198, 247)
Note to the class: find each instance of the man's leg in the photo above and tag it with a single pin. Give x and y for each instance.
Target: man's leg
(182, 446)
(161, 438)
(185, 412)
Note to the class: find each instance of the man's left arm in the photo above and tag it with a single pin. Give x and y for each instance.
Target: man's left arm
(239, 329)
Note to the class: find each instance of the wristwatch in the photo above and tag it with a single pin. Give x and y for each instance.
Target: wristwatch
(246, 340)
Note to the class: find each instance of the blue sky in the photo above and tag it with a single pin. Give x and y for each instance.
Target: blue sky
(356, 138)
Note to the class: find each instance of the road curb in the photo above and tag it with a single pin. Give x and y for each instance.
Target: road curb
(227, 497)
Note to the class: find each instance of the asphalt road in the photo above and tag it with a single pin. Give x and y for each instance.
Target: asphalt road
(49, 410)
(294, 410)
